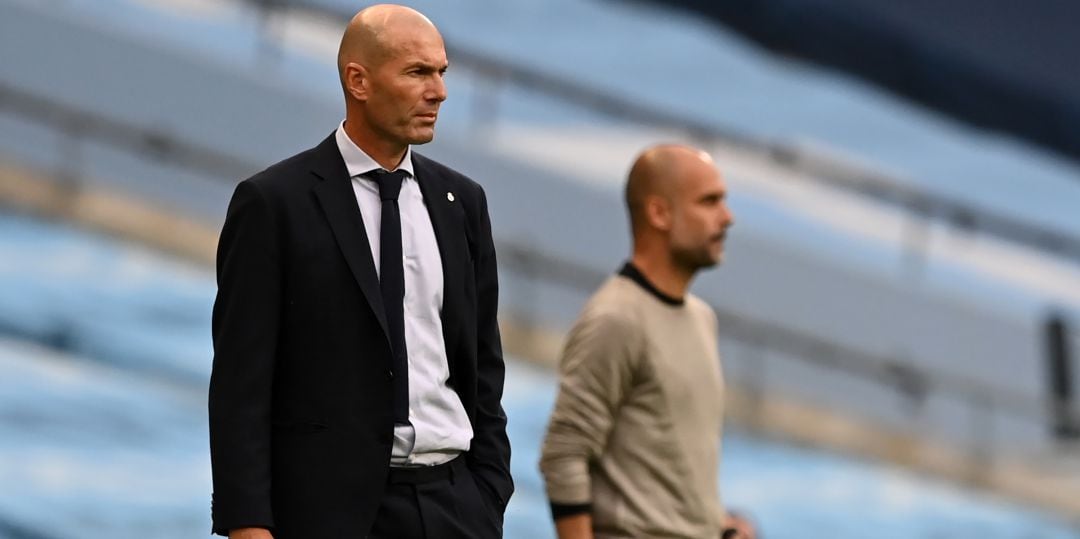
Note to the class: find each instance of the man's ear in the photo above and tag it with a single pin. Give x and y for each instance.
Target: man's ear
(658, 212)
(356, 81)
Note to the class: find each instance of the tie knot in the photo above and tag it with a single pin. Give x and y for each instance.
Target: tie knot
(389, 182)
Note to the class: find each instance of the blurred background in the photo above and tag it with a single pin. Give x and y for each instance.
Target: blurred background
(898, 309)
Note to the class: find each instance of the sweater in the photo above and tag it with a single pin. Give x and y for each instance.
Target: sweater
(636, 428)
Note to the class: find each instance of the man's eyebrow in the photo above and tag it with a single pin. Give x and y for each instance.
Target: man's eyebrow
(427, 65)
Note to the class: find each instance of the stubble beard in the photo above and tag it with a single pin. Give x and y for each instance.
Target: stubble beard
(694, 260)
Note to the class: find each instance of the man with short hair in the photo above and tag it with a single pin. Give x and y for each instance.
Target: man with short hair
(358, 369)
(633, 445)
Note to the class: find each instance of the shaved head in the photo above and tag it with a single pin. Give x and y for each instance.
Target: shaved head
(678, 213)
(375, 32)
(658, 171)
(392, 63)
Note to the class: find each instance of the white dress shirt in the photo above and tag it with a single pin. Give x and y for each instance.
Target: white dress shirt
(438, 428)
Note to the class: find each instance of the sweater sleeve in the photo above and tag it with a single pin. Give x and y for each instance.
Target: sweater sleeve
(596, 373)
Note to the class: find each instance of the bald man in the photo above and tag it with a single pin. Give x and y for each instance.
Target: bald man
(358, 371)
(632, 448)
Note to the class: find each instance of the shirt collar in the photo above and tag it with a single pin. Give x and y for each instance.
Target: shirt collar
(358, 162)
(630, 271)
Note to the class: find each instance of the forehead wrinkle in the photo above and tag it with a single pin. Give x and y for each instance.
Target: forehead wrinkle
(369, 39)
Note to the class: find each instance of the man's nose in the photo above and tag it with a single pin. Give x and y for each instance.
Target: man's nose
(437, 92)
(728, 218)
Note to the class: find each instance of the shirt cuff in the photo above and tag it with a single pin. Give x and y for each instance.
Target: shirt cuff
(560, 510)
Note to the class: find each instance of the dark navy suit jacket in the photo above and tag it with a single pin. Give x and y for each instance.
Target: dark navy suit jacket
(301, 419)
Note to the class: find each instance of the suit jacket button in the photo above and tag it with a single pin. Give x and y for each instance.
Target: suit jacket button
(390, 373)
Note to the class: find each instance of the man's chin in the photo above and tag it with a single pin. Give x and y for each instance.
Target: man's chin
(717, 256)
(699, 261)
(711, 260)
(421, 131)
(422, 137)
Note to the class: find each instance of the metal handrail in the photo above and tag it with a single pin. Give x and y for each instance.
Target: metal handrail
(810, 165)
(155, 143)
(914, 382)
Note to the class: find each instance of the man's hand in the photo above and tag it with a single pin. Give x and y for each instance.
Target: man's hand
(574, 526)
(250, 533)
(737, 526)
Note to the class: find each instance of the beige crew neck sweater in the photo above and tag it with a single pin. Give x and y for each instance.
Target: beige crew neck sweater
(637, 423)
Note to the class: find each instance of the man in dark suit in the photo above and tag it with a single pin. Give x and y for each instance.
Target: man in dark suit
(358, 369)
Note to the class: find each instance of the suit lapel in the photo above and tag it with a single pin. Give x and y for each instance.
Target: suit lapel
(338, 200)
(448, 220)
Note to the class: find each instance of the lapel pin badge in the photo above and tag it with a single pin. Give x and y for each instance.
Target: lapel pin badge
(450, 196)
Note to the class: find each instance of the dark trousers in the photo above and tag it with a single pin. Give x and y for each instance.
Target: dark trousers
(440, 502)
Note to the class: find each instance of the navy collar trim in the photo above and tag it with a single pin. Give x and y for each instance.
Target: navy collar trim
(631, 272)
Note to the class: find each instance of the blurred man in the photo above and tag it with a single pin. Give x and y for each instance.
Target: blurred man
(358, 370)
(633, 445)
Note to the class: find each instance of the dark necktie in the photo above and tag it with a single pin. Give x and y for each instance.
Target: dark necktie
(392, 282)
